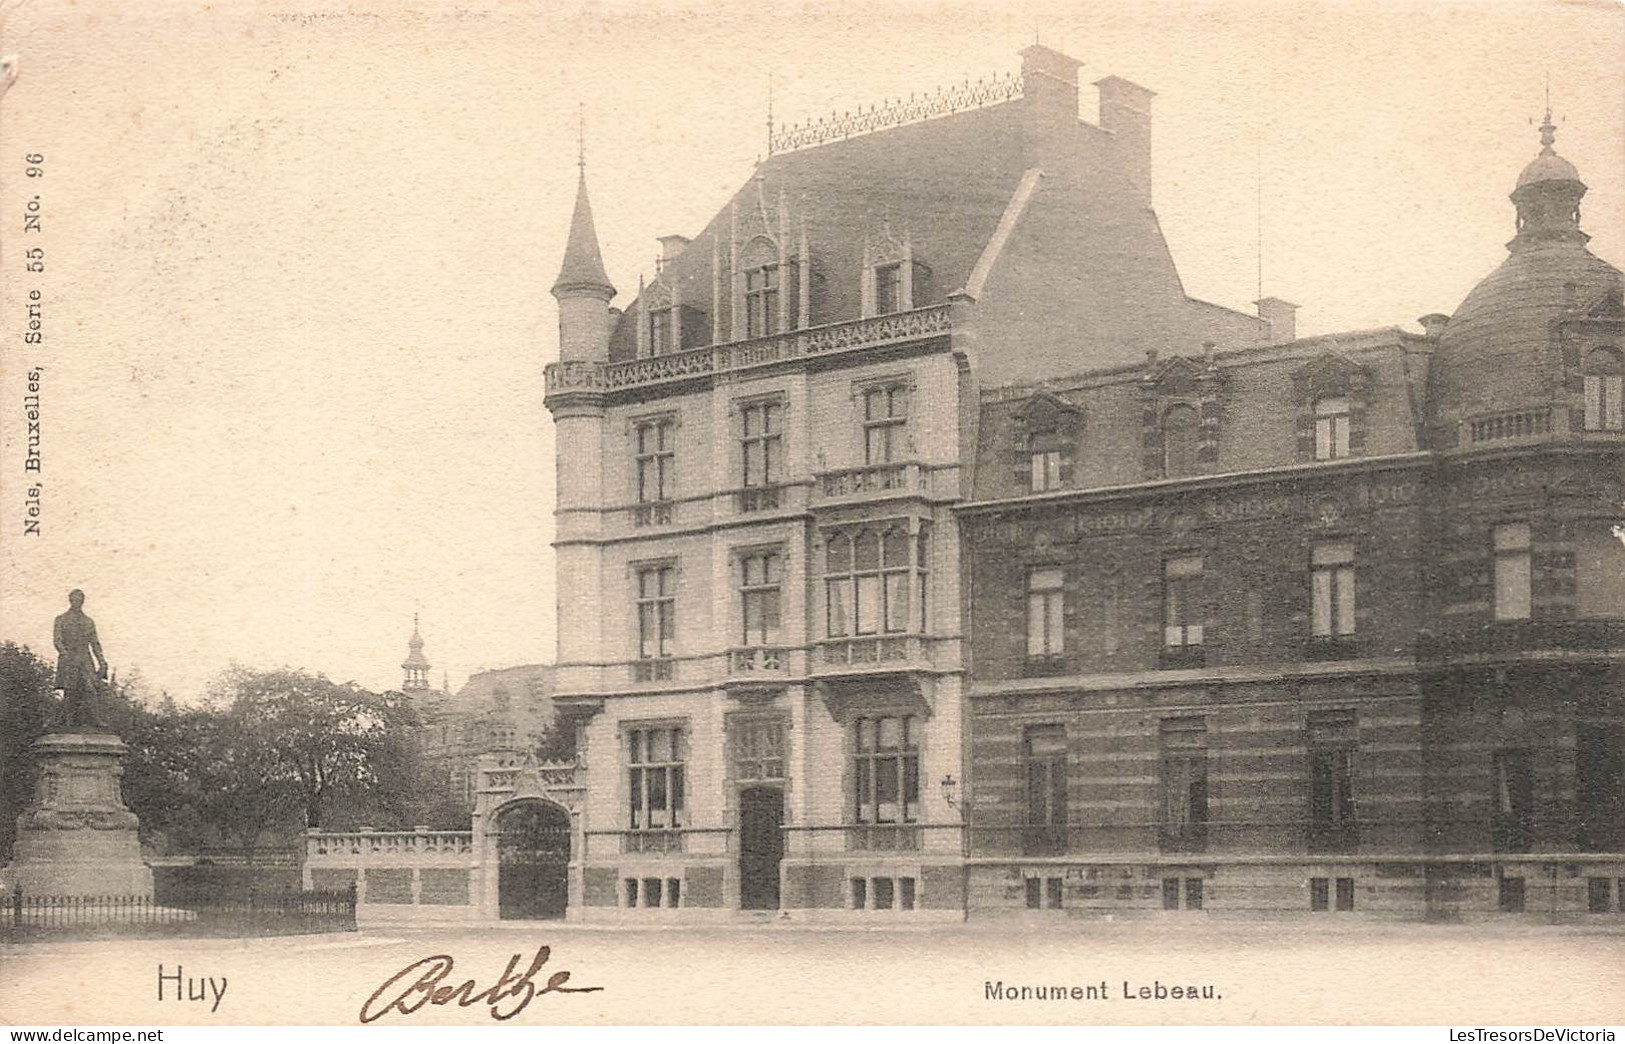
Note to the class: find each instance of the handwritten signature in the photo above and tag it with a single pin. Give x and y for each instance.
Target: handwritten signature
(423, 982)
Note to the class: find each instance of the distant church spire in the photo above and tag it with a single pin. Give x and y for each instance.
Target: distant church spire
(416, 664)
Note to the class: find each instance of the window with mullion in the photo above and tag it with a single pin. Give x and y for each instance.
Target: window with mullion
(1182, 607)
(760, 597)
(1333, 739)
(1046, 611)
(656, 610)
(656, 760)
(1331, 427)
(885, 413)
(1332, 590)
(888, 289)
(867, 582)
(1184, 781)
(886, 770)
(758, 747)
(1604, 388)
(656, 458)
(1044, 749)
(761, 444)
(661, 325)
(761, 300)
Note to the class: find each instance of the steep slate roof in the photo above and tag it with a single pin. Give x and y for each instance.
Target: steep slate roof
(945, 183)
(480, 691)
(583, 267)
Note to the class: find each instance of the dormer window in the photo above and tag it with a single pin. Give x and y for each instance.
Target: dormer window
(1604, 390)
(661, 340)
(889, 289)
(761, 300)
(1180, 434)
(1050, 461)
(1331, 427)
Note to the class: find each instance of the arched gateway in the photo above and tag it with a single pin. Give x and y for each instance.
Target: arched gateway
(533, 860)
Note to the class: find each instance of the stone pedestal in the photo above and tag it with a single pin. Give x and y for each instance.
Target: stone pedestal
(77, 838)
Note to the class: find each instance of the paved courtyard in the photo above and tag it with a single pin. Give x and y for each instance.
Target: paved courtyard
(1461, 975)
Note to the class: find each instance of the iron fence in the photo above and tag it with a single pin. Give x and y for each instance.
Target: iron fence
(32, 917)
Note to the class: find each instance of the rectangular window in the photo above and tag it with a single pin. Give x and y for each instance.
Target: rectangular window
(1044, 750)
(1333, 739)
(1511, 894)
(1345, 893)
(1193, 893)
(761, 300)
(656, 457)
(761, 576)
(860, 893)
(885, 770)
(1046, 470)
(661, 341)
(758, 750)
(1182, 609)
(1514, 801)
(1035, 893)
(1053, 894)
(1184, 783)
(1605, 403)
(1319, 894)
(905, 893)
(888, 289)
(1331, 428)
(885, 414)
(884, 893)
(1170, 893)
(1512, 571)
(1597, 894)
(761, 453)
(657, 599)
(1332, 590)
(656, 757)
(867, 581)
(1046, 602)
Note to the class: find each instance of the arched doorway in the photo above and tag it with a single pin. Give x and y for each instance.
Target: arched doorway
(533, 860)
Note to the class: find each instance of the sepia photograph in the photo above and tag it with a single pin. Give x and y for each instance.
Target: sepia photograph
(649, 512)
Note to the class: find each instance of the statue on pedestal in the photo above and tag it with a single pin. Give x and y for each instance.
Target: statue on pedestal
(81, 668)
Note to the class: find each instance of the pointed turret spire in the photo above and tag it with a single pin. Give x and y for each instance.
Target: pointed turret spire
(583, 268)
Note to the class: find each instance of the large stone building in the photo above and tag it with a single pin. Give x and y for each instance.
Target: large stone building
(757, 461)
(1332, 624)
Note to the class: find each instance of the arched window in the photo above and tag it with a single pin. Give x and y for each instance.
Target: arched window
(1604, 372)
(1180, 428)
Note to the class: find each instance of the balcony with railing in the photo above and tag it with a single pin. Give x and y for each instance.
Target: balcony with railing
(813, 342)
(877, 651)
(870, 482)
(759, 661)
(1529, 424)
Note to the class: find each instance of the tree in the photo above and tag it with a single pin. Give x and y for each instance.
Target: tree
(26, 706)
(294, 731)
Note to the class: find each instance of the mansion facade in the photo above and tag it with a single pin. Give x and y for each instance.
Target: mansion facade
(923, 549)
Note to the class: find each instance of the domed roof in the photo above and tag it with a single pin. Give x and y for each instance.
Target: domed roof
(1548, 166)
(1502, 331)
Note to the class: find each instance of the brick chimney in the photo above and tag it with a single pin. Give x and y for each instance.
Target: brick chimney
(1125, 111)
(1280, 316)
(1049, 83)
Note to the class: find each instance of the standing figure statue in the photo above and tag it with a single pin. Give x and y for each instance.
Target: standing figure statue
(80, 666)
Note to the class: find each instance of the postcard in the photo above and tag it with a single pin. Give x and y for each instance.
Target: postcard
(674, 513)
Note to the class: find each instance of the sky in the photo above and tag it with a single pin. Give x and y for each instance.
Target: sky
(296, 300)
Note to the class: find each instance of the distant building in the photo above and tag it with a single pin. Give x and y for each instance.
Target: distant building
(1330, 624)
(506, 711)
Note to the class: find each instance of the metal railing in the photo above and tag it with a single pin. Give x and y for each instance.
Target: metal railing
(34, 917)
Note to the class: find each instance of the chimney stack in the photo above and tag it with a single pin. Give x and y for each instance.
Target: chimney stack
(1049, 81)
(1125, 112)
(1433, 324)
(1281, 317)
(671, 247)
